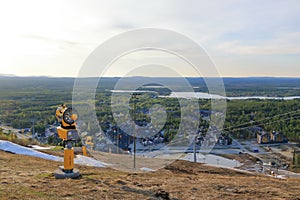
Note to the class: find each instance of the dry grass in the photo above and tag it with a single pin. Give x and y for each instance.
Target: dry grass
(23, 177)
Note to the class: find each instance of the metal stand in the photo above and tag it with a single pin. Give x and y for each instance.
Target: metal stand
(134, 152)
(67, 171)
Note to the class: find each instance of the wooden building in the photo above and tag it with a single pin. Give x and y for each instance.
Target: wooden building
(278, 137)
(269, 138)
(263, 138)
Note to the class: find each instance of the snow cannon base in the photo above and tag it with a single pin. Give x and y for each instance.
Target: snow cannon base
(62, 174)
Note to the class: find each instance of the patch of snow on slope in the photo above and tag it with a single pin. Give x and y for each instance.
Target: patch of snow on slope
(18, 149)
(87, 161)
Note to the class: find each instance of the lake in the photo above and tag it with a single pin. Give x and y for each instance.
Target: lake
(202, 95)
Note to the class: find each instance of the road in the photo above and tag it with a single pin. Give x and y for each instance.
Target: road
(7, 129)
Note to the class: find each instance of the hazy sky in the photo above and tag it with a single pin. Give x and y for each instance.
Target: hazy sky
(243, 38)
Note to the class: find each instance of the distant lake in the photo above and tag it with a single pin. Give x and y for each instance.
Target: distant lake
(202, 95)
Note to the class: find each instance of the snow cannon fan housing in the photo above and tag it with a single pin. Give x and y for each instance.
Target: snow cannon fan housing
(67, 130)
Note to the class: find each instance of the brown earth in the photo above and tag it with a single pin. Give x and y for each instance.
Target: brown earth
(24, 177)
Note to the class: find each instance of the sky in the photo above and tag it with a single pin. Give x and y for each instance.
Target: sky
(243, 38)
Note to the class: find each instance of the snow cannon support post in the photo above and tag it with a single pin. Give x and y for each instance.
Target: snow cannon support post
(84, 152)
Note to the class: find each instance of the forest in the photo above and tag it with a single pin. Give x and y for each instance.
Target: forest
(27, 100)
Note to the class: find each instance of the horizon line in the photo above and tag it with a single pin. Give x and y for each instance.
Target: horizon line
(74, 77)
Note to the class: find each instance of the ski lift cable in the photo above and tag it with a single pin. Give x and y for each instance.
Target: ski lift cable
(262, 124)
(287, 113)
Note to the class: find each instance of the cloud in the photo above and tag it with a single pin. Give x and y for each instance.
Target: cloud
(63, 33)
(288, 43)
(51, 40)
(123, 25)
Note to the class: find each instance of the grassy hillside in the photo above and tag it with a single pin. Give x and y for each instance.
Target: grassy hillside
(24, 177)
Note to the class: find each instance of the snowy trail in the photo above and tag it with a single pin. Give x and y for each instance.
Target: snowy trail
(18, 149)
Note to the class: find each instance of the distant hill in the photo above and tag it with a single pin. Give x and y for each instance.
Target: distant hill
(267, 86)
(7, 75)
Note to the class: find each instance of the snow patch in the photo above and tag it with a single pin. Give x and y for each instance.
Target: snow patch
(87, 161)
(40, 148)
(147, 169)
(18, 149)
(212, 160)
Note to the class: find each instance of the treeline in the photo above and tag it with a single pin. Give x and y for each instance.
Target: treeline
(22, 109)
(278, 115)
